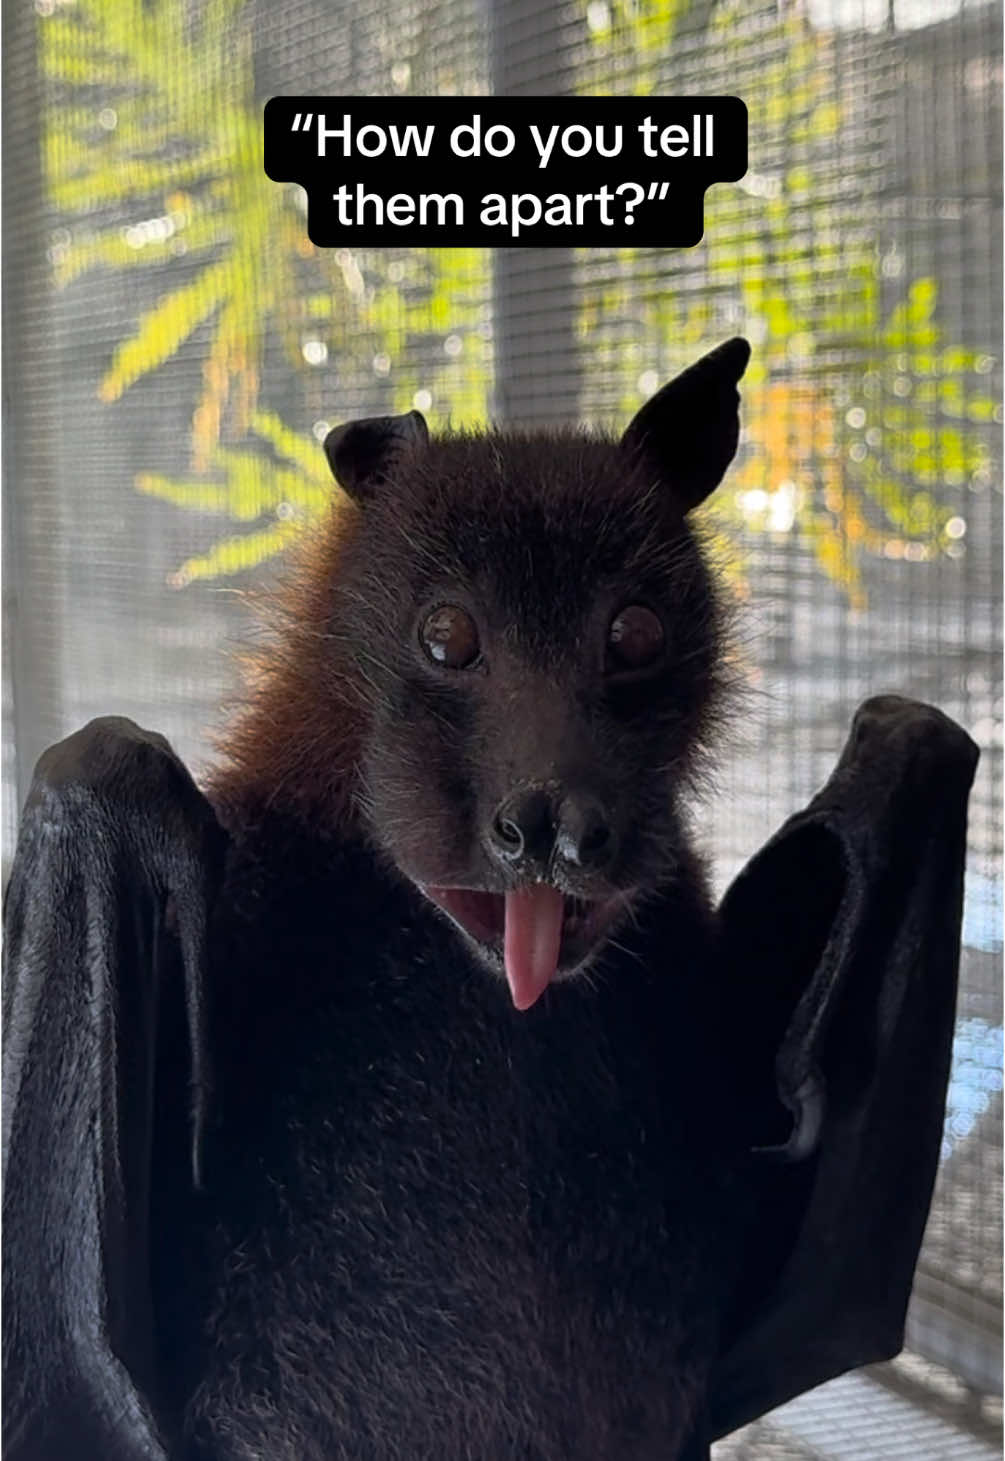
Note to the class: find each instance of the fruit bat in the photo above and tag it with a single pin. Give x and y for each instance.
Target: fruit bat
(402, 1093)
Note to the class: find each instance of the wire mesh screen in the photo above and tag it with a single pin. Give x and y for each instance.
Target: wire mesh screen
(176, 349)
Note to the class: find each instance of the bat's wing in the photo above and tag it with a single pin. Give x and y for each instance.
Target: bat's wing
(841, 953)
(105, 925)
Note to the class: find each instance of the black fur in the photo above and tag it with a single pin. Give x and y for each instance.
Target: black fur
(424, 1224)
(441, 1228)
(543, 540)
(438, 1108)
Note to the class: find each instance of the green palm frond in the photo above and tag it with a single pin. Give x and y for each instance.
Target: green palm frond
(163, 329)
(276, 496)
(862, 420)
(149, 158)
(153, 149)
(237, 554)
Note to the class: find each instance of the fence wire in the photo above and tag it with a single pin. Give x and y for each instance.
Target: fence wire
(176, 349)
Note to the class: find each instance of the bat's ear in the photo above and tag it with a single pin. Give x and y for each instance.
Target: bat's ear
(689, 430)
(360, 453)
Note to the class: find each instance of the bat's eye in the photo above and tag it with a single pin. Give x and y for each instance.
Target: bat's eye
(635, 640)
(450, 638)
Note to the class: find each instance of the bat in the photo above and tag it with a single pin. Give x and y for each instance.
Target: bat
(402, 1093)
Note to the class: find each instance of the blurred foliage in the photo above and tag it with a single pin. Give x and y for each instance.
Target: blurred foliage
(858, 415)
(639, 29)
(291, 487)
(153, 142)
(638, 35)
(861, 420)
(153, 152)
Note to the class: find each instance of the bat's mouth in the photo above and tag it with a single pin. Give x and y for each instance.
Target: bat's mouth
(536, 932)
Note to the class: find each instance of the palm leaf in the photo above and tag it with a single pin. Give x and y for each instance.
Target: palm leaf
(303, 451)
(237, 554)
(163, 329)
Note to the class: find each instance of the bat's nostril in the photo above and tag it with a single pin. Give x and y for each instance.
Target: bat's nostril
(509, 834)
(522, 827)
(585, 838)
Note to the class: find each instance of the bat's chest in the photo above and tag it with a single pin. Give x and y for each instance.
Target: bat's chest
(444, 1229)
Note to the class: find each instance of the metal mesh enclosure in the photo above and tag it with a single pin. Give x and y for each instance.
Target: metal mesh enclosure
(176, 349)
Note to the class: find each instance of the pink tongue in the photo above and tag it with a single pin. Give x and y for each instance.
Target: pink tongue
(532, 937)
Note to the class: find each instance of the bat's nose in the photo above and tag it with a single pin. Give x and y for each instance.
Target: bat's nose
(535, 826)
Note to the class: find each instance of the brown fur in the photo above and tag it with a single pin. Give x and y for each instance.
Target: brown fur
(296, 740)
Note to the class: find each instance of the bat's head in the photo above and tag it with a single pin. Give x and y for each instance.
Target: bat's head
(538, 644)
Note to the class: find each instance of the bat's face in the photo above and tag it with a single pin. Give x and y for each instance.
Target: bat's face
(540, 646)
